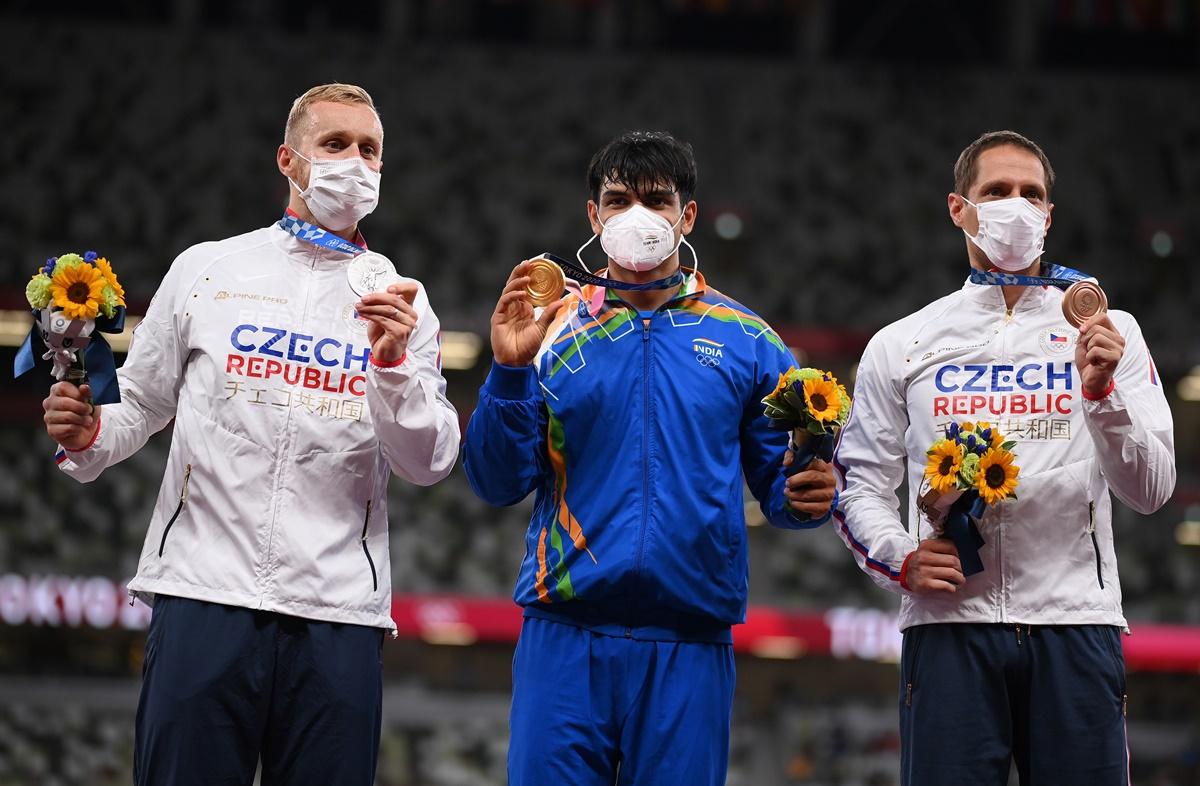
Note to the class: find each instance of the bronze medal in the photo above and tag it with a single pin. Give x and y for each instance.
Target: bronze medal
(546, 281)
(1083, 300)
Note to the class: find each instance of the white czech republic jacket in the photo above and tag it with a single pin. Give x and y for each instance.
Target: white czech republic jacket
(1049, 556)
(275, 493)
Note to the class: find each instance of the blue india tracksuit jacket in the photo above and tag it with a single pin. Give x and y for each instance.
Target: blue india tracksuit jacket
(634, 430)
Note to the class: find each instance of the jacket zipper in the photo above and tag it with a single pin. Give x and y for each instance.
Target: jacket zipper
(371, 562)
(187, 473)
(1001, 514)
(1095, 541)
(645, 458)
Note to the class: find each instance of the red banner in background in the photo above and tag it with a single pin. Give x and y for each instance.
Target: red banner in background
(863, 634)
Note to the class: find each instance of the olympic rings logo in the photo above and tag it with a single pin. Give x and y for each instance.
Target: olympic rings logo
(708, 361)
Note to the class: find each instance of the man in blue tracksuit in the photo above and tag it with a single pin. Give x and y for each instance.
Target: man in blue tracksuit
(632, 415)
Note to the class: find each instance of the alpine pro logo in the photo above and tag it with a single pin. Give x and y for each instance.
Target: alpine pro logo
(708, 352)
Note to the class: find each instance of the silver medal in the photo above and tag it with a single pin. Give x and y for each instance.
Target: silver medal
(371, 272)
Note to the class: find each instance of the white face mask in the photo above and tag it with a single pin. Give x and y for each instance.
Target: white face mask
(1011, 232)
(341, 191)
(638, 239)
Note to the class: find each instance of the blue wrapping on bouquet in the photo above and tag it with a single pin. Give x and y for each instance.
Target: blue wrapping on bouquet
(98, 359)
(811, 446)
(959, 525)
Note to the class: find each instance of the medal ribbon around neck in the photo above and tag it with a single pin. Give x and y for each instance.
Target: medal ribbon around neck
(582, 276)
(1056, 276)
(311, 233)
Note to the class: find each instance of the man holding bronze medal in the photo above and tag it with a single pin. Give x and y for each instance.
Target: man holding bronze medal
(631, 408)
(1012, 650)
(301, 371)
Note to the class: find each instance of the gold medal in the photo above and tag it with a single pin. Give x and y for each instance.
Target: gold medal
(1083, 300)
(546, 281)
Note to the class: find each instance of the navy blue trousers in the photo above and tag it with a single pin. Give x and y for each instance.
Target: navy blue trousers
(223, 686)
(976, 698)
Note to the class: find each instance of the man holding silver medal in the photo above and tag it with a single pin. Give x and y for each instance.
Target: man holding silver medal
(631, 408)
(301, 372)
(1012, 652)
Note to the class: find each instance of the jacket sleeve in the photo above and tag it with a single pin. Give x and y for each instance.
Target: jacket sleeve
(870, 459)
(763, 447)
(1133, 429)
(149, 381)
(506, 436)
(415, 423)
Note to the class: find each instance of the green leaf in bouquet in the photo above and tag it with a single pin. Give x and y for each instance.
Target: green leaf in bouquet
(791, 399)
(1009, 445)
(815, 428)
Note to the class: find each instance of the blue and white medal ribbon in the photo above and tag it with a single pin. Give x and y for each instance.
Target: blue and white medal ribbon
(311, 233)
(1056, 276)
(1083, 296)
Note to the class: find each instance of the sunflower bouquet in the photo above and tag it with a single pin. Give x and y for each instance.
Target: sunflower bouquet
(813, 406)
(74, 299)
(967, 471)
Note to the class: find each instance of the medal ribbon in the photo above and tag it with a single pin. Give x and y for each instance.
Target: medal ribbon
(584, 277)
(311, 233)
(1056, 276)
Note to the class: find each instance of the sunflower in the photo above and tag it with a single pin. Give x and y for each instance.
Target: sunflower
(945, 458)
(821, 397)
(77, 291)
(106, 270)
(997, 478)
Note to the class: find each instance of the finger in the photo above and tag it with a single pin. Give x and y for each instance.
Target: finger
(518, 270)
(508, 299)
(517, 284)
(403, 310)
(1103, 356)
(819, 465)
(813, 497)
(809, 477)
(391, 324)
(944, 574)
(814, 509)
(788, 455)
(937, 586)
(938, 546)
(60, 418)
(549, 313)
(62, 404)
(68, 390)
(937, 560)
(407, 291)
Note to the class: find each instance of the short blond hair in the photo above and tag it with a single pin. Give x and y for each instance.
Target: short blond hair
(336, 92)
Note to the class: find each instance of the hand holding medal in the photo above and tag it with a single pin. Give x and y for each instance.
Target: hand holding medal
(517, 333)
(385, 303)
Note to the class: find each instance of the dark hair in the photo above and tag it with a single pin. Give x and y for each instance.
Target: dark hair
(641, 160)
(966, 169)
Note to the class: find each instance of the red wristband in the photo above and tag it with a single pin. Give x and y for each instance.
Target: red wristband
(1112, 383)
(393, 364)
(904, 571)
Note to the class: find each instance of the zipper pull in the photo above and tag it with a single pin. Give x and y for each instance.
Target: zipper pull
(366, 521)
(1091, 516)
(1018, 627)
(187, 475)
(908, 695)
